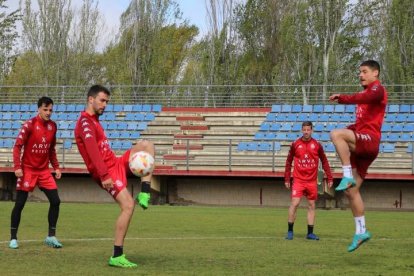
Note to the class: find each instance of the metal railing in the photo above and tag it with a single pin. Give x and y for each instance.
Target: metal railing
(200, 95)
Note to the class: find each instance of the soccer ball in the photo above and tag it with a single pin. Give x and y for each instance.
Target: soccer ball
(141, 163)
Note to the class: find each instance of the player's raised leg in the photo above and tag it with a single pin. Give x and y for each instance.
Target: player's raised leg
(127, 205)
(344, 141)
(358, 211)
(144, 196)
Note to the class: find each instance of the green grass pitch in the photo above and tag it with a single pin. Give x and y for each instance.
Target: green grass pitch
(195, 240)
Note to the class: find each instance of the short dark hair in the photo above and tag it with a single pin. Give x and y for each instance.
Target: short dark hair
(307, 123)
(374, 65)
(44, 100)
(95, 89)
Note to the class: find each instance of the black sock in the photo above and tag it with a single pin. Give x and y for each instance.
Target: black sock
(118, 251)
(290, 226)
(145, 186)
(21, 198)
(310, 229)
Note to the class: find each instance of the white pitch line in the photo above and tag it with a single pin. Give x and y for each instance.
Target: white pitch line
(201, 238)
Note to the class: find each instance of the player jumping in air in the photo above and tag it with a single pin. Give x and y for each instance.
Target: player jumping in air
(37, 139)
(305, 152)
(109, 171)
(358, 144)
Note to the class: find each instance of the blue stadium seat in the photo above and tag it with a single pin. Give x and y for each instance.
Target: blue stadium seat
(408, 128)
(62, 116)
(112, 126)
(389, 148)
(67, 144)
(296, 108)
(291, 136)
(270, 136)
(316, 135)
(264, 146)
(117, 108)
(24, 108)
(7, 125)
(130, 117)
(302, 117)
(72, 125)
(7, 108)
(8, 143)
(307, 108)
(280, 117)
(329, 108)
(406, 137)
(297, 127)
(16, 125)
(59, 108)
(397, 128)
(392, 137)
(142, 126)
(15, 107)
(286, 108)
(73, 116)
(346, 117)
(80, 107)
(401, 118)
(265, 127)
(134, 135)
(127, 108)
(330, 127)
(66, 134)
(339, 108)
(275, 127)
(156, 108)
(405, 108)
(122, 125)
(63, 125)
(132, 126)
(393, 108)
(109, 116)
(281, 136)
(252, 146)
(318, 127)
(116, 144)
(276, 146)
(33, 108)
(109, 108)
(410, 148)
(8, 133)
(276, 108)
(137, 108)
(149, 117)
(391, 117)
(286, 127)
(318, 108)
(325, 136)
(25, 116)
(114, 134)
(350, 108)
(71, 108)
(410, 118)
(313, 117)
(386, 128)
(242, 146)
(291, 117)
(146, 108)
(15, 116)
(126, 145)
(329, 147)
(323, 117)
(259, 136)
(270, 117)
(124, 135)
(139, 117)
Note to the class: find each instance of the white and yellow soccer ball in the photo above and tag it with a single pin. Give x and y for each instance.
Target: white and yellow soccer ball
(141, 163)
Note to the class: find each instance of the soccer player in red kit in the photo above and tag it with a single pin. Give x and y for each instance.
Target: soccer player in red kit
(358, 144)
(305, 152)
(37, 139)
(109, 171)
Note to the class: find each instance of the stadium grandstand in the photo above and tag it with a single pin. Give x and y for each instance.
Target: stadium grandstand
(221, 145)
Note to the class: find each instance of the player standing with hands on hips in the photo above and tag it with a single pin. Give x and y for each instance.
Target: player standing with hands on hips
(109, 171)
(305, 152)
(37, 138)
(358, 144)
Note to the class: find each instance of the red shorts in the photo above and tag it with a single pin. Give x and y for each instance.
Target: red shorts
(366, 151)
(31, 178)
(308, 189)
(119, 174)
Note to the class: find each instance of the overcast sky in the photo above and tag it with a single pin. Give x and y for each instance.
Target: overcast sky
(193, 10)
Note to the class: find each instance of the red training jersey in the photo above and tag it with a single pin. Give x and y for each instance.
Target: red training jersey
(306, 155)
(94, 146)
(370, 109)
(37, 138)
